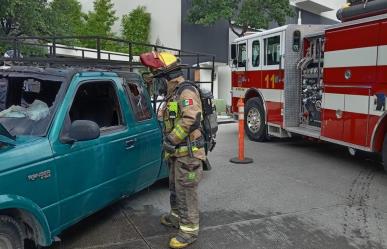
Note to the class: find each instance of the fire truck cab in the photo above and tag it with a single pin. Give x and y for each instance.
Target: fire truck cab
(322, 82)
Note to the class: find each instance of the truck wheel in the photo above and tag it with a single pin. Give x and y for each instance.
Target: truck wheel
(255, 126)
(10, 234)
(384, 153)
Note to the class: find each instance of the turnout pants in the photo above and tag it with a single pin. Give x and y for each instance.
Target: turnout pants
(185, 174)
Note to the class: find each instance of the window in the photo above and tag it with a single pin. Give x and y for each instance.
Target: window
(296, 41)
(256, 50)
(97, 102)
(234, 54)
(27, 104)
(273, 50)
(242, 55)
(138, 100)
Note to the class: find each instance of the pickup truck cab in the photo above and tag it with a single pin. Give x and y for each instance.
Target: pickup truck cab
(71, 142)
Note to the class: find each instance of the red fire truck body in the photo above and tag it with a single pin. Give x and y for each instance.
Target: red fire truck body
(323, 82)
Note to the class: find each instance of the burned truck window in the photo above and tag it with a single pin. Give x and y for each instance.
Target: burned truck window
(138, 101)
(26, 104)
(97, 102)
(24, 92)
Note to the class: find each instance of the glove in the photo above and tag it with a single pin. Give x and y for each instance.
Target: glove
(168, 146)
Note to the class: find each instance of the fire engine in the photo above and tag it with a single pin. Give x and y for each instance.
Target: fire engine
(322, 82)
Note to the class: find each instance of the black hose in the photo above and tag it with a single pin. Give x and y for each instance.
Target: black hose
(362, 9)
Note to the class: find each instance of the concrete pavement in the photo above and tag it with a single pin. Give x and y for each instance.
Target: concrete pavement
(297, 194)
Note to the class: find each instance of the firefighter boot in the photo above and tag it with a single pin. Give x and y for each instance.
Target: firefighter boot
(182, 240)
(171, 219)
(187, 235)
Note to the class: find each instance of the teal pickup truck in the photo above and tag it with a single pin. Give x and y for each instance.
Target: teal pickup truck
(71, 142)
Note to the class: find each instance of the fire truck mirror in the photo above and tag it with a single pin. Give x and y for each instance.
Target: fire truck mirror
(296, 41)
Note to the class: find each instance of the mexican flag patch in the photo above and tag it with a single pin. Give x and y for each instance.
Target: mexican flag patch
(187, 102)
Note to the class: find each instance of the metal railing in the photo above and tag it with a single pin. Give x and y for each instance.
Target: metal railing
(49, 46)
(65, 51)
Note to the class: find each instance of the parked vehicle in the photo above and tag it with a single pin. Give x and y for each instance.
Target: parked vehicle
(72, 141)
(323, 82)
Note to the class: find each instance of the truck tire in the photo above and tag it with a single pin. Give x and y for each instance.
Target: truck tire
(11, 235)
(384, 153)
(255, 123)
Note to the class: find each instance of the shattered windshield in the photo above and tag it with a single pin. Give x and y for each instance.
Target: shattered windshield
(27, 104)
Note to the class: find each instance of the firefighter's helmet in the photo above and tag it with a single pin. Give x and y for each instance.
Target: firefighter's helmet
(164, 67)
(159, 61)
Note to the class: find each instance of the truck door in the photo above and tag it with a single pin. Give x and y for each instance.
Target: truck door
(148, 132)
(91, 174)
(239, 77)
(272, 76)
(254, 65)
(349, 74)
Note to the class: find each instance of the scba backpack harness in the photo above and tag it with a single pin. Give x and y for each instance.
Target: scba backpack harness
(209, 122)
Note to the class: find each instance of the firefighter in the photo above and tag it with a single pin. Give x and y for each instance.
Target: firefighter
(183, 144)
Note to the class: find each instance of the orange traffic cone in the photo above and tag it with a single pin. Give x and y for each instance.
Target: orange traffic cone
(241, 159)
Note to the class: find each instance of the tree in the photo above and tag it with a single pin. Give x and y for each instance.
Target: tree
(245, 14)
(136, 26)
(67, 17)
(99, 22)
(23, 17)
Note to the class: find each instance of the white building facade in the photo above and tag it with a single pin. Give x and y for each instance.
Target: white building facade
(324, 8)
(165, 18)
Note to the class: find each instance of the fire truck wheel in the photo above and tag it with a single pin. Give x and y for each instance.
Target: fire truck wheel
(384, 153)
(255, 126)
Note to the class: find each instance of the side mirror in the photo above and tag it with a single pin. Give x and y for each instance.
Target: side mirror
(83, 130)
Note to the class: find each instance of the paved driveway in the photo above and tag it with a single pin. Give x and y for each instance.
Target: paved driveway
(297, 194)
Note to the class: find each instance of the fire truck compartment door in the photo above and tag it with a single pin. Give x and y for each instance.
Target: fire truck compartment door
(356, 117)
(332, 114)
(382, 57)
(350, 73)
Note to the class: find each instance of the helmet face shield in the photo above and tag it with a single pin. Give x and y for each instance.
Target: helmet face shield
(160, 86)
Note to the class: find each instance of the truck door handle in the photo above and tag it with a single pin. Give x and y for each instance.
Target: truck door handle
(129, 144)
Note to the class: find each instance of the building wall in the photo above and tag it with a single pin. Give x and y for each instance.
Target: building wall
(332, 4)
(335, 4)
(165, 18)
(205, 39)
(310, 18)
